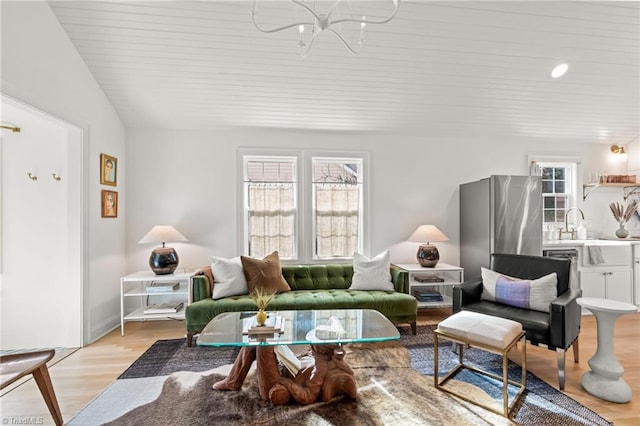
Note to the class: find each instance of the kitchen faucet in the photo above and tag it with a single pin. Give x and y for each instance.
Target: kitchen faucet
(566, 224)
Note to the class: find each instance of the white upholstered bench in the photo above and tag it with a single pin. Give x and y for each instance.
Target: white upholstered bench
(492, 334)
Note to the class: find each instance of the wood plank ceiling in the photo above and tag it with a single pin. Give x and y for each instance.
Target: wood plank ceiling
(444, 69)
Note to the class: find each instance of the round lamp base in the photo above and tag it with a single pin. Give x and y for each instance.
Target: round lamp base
(163, 260)
(428, 256)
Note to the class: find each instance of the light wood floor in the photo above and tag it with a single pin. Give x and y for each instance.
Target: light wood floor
(80, 377)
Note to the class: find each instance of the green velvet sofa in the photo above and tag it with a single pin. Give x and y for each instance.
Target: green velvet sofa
(312, 287)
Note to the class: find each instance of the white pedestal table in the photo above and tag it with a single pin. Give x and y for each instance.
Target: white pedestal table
(605, 378)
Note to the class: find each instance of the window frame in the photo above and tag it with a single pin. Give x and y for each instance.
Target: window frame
(574, 196)
(313, 206)
(305, 232)
(245, 199)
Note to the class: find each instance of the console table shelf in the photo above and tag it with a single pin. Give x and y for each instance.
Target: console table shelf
(445, 276)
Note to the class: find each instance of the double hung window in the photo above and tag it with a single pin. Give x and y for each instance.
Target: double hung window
(556, 192)
(337, 206)
(559, 190)
(270, 205)
(307, 207)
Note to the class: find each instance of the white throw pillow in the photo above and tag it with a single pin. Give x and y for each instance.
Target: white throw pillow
(228, 277)
(528, 294)
(372, 274)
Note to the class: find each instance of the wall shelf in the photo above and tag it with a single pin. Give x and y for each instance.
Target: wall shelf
(627, 188)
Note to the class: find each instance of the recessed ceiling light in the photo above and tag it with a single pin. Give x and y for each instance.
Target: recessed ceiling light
(559, 70)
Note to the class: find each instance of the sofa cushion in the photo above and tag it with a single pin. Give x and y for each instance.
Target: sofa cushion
(397, 306)
(265, 274)
(371, 274)
(228, 277)
(522, 293)
(318, 277)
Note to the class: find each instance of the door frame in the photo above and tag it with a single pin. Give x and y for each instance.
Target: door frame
(76, 203)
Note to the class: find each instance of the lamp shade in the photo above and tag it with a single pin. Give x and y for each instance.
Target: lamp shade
(427, 234)
(427, 255)
(163, 260)
(162, 234)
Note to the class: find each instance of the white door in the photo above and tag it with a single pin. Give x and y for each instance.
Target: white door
(40, 287)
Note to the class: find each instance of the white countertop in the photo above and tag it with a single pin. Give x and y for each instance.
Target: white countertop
(580, 243)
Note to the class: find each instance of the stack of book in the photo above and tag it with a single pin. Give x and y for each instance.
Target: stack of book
(428, 278)
(274, 324)
(160, 287)
(164, 308)
(427, 295)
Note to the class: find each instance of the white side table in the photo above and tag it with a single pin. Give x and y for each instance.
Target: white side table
(605, 378)
(134, 286)
(438, 280)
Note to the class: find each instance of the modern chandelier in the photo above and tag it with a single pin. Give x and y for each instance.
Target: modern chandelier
(331, 21)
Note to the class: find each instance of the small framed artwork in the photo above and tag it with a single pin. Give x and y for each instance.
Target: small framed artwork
(109, 203)
(108, 170)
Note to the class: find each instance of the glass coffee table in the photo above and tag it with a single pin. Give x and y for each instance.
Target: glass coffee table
(325, 330)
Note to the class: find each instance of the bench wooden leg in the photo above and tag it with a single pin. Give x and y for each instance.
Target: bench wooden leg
(414, 329)
(41, 375)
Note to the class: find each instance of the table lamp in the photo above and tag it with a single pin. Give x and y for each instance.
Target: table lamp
(163, 260)
(428, 255)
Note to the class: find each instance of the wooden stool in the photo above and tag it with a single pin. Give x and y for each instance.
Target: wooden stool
(492, 334)
(15, 366)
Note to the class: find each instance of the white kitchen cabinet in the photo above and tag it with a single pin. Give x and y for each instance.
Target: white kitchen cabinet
(607, 273)
(615, 284)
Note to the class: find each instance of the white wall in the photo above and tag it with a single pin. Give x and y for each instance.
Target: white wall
(596, 204)
(633, 148)
(188, 179)
(41, 67)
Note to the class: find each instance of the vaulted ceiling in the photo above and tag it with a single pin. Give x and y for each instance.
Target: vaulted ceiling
(444, 69)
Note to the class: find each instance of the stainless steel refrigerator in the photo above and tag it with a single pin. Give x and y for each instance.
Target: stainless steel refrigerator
(499, 214)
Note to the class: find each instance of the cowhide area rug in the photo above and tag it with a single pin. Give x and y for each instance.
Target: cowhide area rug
(389, 392)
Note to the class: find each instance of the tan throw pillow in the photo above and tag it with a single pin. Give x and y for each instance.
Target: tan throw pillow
(265, 274)
(206, 271)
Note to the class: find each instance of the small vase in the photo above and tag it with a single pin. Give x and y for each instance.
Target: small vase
(622, 232)
(261, 317)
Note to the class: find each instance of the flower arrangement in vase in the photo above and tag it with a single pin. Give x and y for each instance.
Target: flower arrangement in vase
(261, 300)
(622, 215)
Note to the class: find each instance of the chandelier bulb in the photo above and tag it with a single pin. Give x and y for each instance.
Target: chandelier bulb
(301, 29)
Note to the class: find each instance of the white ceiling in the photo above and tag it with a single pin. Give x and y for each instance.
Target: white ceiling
(444, 69)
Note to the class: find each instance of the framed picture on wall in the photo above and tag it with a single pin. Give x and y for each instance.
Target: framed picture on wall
(109, 203)
(108, 170)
